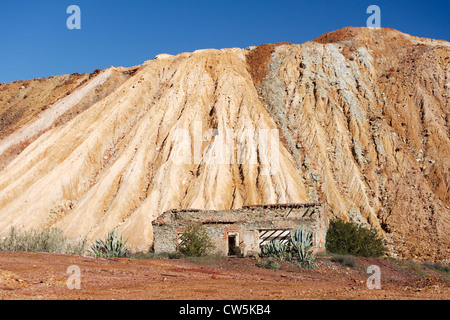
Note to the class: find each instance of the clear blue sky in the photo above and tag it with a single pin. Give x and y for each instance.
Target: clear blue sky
(35, 42)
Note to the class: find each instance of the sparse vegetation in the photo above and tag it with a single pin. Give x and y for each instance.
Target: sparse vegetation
(439, 267)
(111, 247)
(50, 240)
(175, 255)
(208, 259)
(410, 267)
(195, 241)
(345, 260)
(348, 238)
(143, 255)
(268, 264)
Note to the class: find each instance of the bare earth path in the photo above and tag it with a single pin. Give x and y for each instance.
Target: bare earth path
(44, 276)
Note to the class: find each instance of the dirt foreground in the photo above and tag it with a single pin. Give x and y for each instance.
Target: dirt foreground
(40, 276)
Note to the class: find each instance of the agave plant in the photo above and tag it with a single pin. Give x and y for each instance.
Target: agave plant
(274, 248)
(302, 244)
(112, 246)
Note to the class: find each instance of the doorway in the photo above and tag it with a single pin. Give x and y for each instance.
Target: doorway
(232, 245)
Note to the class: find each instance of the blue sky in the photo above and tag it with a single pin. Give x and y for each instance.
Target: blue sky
(35, 42)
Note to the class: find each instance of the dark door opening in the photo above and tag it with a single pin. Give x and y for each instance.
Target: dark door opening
(232, 245)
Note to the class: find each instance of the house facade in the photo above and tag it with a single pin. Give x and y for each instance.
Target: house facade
(243, 230)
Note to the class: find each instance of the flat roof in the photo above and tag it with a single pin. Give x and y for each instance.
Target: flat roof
(227, 219)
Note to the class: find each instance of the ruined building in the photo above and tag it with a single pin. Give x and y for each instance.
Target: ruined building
(243, 230)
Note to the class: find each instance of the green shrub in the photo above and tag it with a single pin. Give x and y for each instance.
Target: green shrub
(268, 264)
(195, 241)
(111, 247)
(345, 260)
(348, 238)
(174, 255)
(50, 240)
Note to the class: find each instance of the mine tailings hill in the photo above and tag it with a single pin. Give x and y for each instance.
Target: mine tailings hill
(362, 116)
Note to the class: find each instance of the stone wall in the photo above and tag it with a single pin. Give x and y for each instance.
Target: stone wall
(243, 225)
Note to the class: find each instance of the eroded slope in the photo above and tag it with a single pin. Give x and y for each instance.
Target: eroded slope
(362, 116)
(365, 114)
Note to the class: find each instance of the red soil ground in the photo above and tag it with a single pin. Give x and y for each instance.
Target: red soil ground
(43, 276)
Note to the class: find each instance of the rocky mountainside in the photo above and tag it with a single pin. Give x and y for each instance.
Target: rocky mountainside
(357, 119)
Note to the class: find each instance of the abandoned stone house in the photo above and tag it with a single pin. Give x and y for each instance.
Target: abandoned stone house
(243, 230)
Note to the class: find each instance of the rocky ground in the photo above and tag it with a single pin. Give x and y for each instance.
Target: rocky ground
(44, 277)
